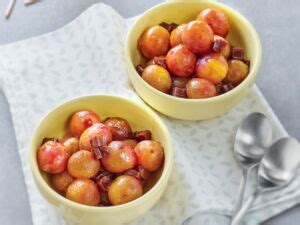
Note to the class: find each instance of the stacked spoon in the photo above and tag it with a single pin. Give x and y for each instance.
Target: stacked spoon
(277, 163)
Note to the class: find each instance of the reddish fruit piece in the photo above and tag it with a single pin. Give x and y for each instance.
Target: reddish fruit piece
(181, 61)
(158, 77)
(81, 121)
(83, 164)
(142, 135)
(212, 67)
(175, 37)
(124, 189)
(52, 157)
(198, 37)
(83, 191)
(120, 158)
(238, 71)
(179, 92)
(155, 41)
(119, 127)
(200, 88)
(130, 142)
(237, 53)
(98, 130)
(180, 82)
(217, 20)
(150, 154)
(61, 181)
(221, 46)
(71, 144)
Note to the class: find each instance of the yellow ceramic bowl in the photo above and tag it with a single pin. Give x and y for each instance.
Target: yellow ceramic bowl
(241, 34)
(140, 117)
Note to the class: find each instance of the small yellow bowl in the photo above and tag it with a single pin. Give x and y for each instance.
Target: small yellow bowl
(140, 117)
(241, 34)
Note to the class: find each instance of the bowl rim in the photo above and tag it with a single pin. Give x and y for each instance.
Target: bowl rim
(166, 170)
(255, 65)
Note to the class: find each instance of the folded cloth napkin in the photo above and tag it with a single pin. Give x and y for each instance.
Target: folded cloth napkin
(86, 57)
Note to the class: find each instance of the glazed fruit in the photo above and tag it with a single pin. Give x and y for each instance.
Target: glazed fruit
(198, 37)
(52, 157)
(175, 37)
(83, 191)
(150, 154)
(61, 181)
(98, 130)
(119, 127)
(83, 164)
(200, 88)
(71, 144)
(212, 67)
(221, 46)
(237, 72)
(181, 61)
(124, 189)
(217, 20)
(154, 41)
(81, 121)
(158, 77)
(120, 158)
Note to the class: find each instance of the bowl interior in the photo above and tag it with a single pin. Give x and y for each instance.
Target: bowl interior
(241, 33)
(140, 118)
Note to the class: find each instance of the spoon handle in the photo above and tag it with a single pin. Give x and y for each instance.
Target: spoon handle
(241, 192)
(237, 219)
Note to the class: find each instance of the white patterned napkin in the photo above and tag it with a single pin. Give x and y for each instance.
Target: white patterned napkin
(86, 57)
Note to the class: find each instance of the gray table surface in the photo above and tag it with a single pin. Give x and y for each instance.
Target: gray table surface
(279, 78)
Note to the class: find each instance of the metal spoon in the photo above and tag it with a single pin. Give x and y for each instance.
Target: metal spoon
(276, 170)
(252, 139)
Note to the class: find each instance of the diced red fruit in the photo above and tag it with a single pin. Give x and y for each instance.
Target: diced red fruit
(237, 53)
(71, 144)
(82, 120)
(121, 157)
(124, 189)
(181, 61)
(84, 191)
(83, 164)
(160, 61)
(221, 46)
(98, 130)
(139, 173)
(120, 128)
(168, 26)
(150, 154)
(200, 88)
(179, 92)
(180, 82)
(104, 198)
(104, 183)
(175, 37)
(142, 135)
(217, 20)
(155, 41)
(212, 67)
(139, 68)
(52, 157)
(198, 37)
(61, 181)
(237, 72)
(158, 77)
